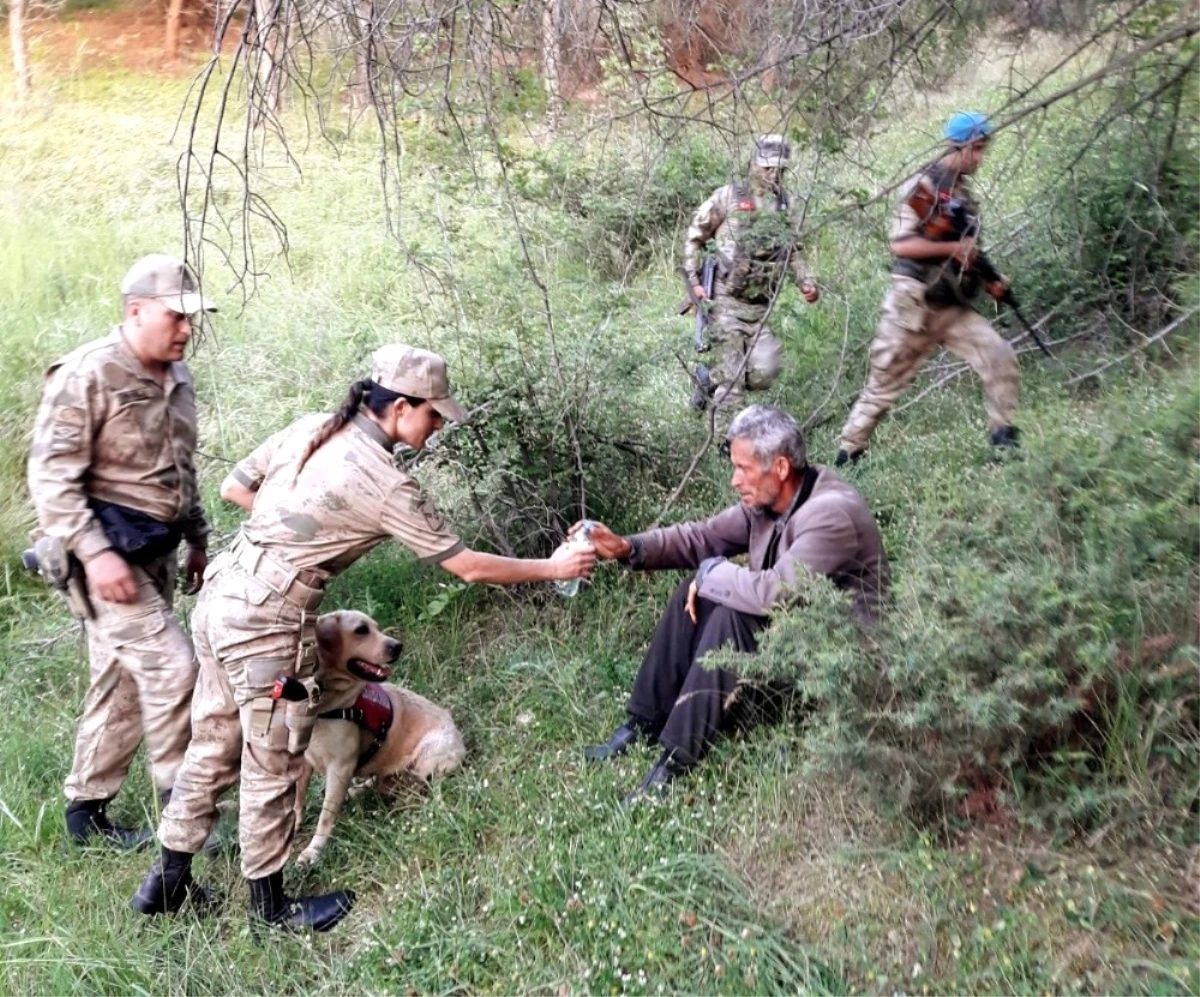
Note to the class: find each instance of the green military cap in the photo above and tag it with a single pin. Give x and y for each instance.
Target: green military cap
(169, 280)
(772, 151)
(417, 373)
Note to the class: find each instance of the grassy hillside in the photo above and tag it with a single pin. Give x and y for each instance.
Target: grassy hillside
(787, 864)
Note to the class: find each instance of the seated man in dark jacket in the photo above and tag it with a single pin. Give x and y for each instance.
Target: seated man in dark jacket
(792, 518)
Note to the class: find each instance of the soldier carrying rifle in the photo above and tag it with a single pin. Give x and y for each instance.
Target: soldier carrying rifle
(937, 271)
(739, 246)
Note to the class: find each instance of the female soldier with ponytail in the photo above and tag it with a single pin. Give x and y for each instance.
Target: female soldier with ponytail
(321, 494)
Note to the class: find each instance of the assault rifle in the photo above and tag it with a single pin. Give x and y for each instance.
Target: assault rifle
(708, 280)
(949, 218)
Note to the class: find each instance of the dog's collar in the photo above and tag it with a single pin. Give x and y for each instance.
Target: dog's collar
(372, 430)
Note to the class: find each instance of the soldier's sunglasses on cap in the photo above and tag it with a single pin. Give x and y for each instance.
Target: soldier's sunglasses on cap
(386, 396)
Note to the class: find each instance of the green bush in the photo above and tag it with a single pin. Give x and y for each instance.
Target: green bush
(1029, 604)
(628, 203)
(1120, 225)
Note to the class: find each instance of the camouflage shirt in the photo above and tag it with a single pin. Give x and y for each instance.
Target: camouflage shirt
(729, 221)
(349, 497)
(106, 429)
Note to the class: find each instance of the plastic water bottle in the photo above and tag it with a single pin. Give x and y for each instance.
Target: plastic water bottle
(569, 588)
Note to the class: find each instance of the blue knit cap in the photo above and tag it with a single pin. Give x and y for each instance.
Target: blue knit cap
(967, 126)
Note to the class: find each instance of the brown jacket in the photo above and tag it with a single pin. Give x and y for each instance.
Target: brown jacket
(108, 430)
(830, 532)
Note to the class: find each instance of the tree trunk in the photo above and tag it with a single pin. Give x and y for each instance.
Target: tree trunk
(552, 49)
(269, 16)
(20, 49)
(174, 14)
(362, 39)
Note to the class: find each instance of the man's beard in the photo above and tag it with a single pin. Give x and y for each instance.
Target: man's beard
(765, 508)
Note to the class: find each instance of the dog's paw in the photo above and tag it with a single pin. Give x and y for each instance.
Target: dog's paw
(360, 786)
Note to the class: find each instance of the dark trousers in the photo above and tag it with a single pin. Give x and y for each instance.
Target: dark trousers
(684, 704)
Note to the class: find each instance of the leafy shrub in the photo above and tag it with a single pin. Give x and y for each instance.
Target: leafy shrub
(1024, 600)
(1115, 223)
(628, 203)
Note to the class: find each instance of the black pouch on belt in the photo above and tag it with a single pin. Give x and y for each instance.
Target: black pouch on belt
(137, 537)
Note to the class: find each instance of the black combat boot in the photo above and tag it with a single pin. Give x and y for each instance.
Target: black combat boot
(1006, 436)
(88, 823)
(623, 738)
(169, 884)
(665, 771)
(270, 905)
(844, 457)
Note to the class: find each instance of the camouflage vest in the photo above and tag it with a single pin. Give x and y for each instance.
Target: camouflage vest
(762, 244)
(945, 283)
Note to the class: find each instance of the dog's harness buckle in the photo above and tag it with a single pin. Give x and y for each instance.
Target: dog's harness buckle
(372, 712)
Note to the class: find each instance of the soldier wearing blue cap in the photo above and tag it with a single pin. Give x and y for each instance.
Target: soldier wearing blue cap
(929, 301)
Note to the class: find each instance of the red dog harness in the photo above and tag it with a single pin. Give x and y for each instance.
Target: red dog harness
(372, 712)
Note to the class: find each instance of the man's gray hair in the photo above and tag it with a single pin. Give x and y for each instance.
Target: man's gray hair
(772, 433)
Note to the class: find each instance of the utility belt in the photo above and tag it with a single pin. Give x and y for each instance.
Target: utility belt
(301, 587)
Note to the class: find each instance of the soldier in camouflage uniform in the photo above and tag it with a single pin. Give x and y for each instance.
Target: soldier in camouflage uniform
(929, 302)
(112, 466)
(321, 494)
(748, 229)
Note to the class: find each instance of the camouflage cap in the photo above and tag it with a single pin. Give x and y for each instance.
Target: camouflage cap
(772, 151)
(169, 280)
(417, 373)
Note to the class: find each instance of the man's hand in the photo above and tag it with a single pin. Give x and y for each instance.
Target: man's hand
(965, 251)
(699, 292)
(608, 545)
(810, 292)
(193, 568)
(690, 606)
(578, 562)
(997, 288)
(109, 577)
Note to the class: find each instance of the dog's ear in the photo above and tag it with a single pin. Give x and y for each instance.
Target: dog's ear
(329, 632)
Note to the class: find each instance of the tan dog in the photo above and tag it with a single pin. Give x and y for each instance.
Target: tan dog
(357, 741)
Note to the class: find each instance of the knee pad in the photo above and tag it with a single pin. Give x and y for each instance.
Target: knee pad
(764, 361)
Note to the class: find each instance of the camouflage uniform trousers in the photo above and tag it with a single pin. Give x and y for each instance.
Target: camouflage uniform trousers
(734, 333)
(142, 673)
(908, 332)
(246, 635)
